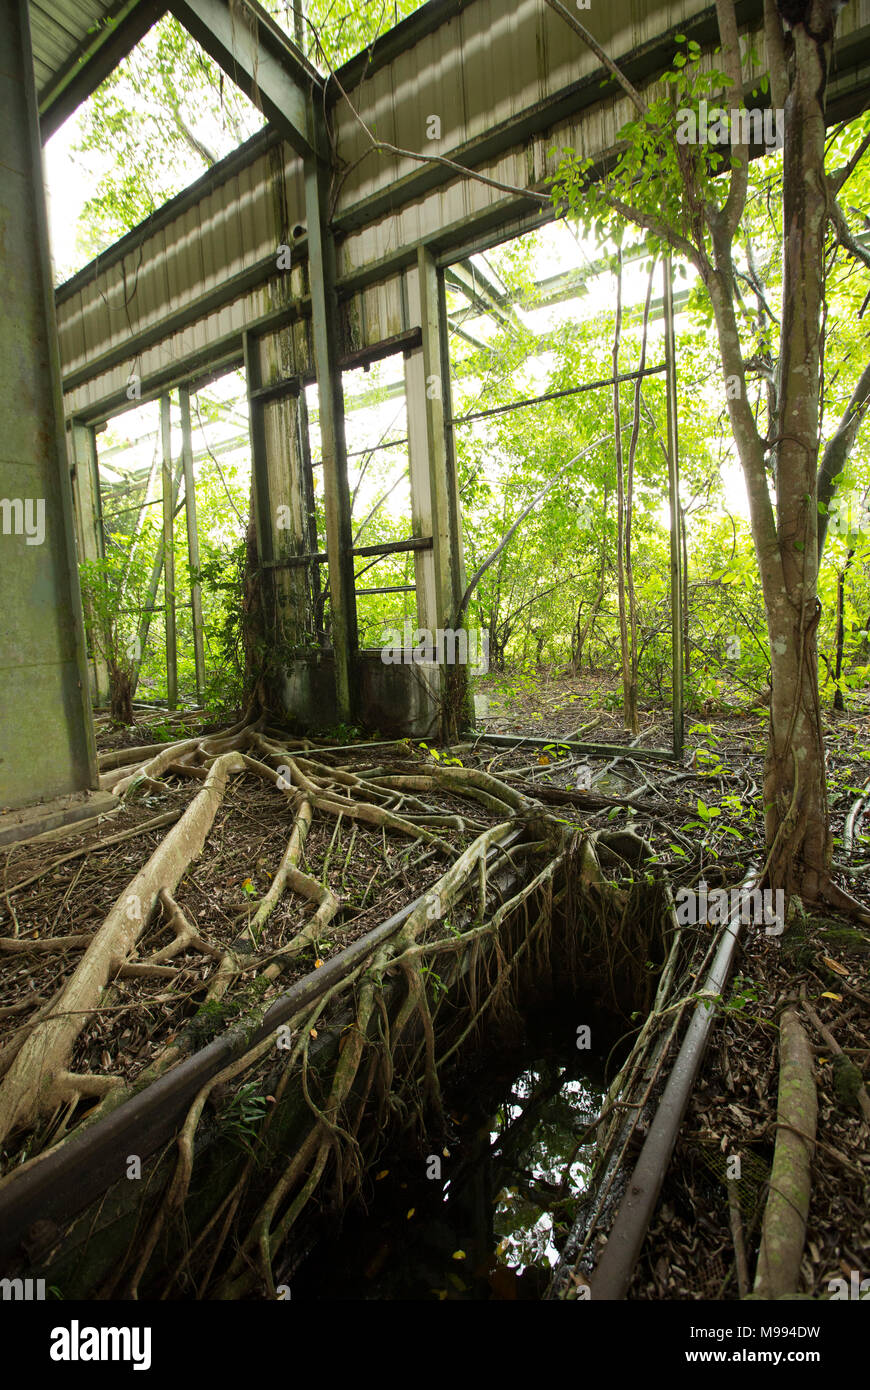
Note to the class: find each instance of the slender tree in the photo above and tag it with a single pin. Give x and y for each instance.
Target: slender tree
(675, 189)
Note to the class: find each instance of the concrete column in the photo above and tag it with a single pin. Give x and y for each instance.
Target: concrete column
(192, 540)
(46, 735)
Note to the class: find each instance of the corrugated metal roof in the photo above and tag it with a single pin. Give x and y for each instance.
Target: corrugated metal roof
(507, 86)
(76, 44)
(63, 31)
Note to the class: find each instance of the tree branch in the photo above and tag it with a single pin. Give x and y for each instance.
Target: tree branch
(729, 217)
(539, 497)
(384, 147)
(838, 448)
(660, 229)
(837, 180)
(776, 60)
(844, 233)
(602, 57)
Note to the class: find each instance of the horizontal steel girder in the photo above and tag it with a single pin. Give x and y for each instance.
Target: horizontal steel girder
(257, 55)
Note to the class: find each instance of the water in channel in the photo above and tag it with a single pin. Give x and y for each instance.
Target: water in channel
(481, 1215)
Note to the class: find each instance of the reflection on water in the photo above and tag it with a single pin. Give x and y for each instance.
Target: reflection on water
(482, 1215)
(545, 1182)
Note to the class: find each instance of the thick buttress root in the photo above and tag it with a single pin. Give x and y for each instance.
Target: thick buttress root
(412, 1004)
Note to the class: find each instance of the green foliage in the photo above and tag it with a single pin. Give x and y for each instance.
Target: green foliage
(650, 172)
(244, 1115)
(114, 592)
(222, 576)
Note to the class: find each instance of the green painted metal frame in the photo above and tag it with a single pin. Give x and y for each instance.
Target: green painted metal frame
(192, 540)
(94, 60)
(169, 552)
(675, 752)
(251, 49)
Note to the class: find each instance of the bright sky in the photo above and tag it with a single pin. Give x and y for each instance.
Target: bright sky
(66, 191)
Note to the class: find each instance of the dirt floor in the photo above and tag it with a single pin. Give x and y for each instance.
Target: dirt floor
(703, 821)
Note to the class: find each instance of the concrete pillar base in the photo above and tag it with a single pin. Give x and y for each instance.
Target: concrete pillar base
(62, 813)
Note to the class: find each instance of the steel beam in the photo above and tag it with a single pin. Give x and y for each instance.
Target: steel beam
(89, 527)
(125, 25)
(449, 585)
(154, 580)
(258, 56)
(339, 532)
(303, 447)
(169, 554)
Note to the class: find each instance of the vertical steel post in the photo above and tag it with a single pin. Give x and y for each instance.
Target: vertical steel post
(169, 553)
(339, 534)
(443, 487)
(89, 529)
(192, 540)
(442, 475)
(259, 474)
(421, 490)
(154, 580)
(303, 444)
(677, 595)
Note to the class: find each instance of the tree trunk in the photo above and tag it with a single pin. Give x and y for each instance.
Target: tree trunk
(795, 791)
(633, 658)
(581, 629)
(120, 694)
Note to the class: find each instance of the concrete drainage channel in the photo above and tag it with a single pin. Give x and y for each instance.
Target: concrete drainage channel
(101, 1216)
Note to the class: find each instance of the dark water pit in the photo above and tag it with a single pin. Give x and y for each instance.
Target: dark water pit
(480, 1213)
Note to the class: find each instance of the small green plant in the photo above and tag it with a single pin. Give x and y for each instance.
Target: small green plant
(743, 993)
(343, 733)
(433, 978)
(169, 733)
(244, 1115)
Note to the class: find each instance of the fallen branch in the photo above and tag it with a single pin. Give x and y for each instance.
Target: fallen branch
(785, 1216)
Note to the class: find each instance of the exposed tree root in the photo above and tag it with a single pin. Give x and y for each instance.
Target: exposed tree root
(35, 1081)
(831, 895)
(465, 941)
(186, 937)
